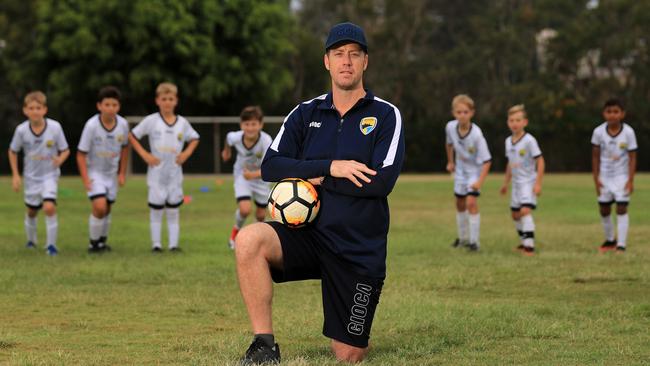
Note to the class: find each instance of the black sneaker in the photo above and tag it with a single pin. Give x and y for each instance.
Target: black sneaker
(259, 353)
(620, 249)
(93, 247)
(457, 243)
(156, 250)
(607, 246)
(472, 247)
(175, 250)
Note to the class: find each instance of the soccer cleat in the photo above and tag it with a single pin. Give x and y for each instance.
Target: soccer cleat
(156, 250)
(458, 243)
(259, 353)
(30, 245)
(175, 250)
(620, 249)
(528, 251)
(520, 247)
(607, 246)
(51, 250)
(233, 234)
(472, 247)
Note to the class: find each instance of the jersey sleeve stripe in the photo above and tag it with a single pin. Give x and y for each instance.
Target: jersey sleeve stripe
(394, 143)
(276, 141)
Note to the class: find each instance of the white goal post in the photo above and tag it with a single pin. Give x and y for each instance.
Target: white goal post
(216, 122)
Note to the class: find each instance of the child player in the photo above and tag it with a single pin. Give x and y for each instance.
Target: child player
(468, 156)
(526, 169)
(168, 133)
(45, 149)
(614, 165)
(251, 144)
(101, 157)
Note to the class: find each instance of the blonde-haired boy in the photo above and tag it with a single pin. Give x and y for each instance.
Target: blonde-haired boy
(469, 158)
(168, 133)
(45, 149)
(526, 169)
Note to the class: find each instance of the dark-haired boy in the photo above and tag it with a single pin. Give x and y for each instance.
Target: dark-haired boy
(613, 166)
(102, 151)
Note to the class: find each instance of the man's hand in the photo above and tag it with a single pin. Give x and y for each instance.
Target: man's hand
(629, 187)
(504, 189)
(476, 186)
(121, 179)
(351, 170)
(316, 181)
(15, 182)
(151, 160)
(537, 189)
(451, 167)
(226, 154)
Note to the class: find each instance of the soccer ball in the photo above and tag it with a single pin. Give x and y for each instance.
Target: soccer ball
(293, 202)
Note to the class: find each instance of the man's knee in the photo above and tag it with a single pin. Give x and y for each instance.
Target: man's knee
(347, 353)
(254, 240)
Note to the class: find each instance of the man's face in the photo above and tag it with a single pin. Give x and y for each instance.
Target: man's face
(35, 111)
(346, 65)
(167, 102)
(463, 113)
(613, 114)
(109, 107)
(517, 121)
(251, 128)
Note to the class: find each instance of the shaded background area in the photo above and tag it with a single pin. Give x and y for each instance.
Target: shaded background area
(561, 59)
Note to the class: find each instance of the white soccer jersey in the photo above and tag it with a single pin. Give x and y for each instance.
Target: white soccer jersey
(39, 149)
(521, 156)
(614, 150)
(471, 150)
(248, 157)
(166, 141)
(102, 146)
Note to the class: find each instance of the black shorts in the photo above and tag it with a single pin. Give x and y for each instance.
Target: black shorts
(349, 299)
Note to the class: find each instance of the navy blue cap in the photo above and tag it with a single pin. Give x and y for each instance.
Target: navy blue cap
(343, 32)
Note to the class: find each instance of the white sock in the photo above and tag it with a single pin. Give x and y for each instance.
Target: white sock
(155, 221)
(622, 223)
(52, 228)
(106, 226)
(520, 231)
(96, 226)
(474, 228)
(528, 227)
(30, 228)
(608, 226)
(462, 225)
(172, 226)
(239, 220)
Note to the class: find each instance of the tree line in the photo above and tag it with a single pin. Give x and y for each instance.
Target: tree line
(560, 58)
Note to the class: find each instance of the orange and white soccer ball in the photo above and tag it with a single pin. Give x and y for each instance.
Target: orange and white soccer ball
(293, 202)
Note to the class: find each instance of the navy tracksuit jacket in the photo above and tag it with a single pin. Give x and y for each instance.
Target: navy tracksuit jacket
(353, 222)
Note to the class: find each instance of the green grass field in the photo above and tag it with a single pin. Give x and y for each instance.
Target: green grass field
(568, 305)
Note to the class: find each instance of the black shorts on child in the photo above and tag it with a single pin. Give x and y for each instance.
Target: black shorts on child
(349, 299)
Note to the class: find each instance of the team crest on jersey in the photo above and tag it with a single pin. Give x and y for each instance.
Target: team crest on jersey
(471, 149)
(622, 145)
(120, 138)
(180, 136)
(259, 155)
(522, 152)
(367, 124)
(49, 143)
